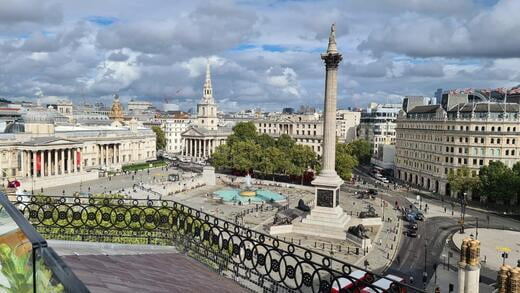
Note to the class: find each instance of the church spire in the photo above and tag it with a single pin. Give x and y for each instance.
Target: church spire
(207, 93)
(332, 40)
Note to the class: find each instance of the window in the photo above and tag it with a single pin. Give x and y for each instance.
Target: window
(499, 128)
(476, 139)
(474, 161)
(512, 152)
(482, 128)
(493, 128)
(481, 140)
(507, 152)
(476, 128)
(481, 162)
(498, 140)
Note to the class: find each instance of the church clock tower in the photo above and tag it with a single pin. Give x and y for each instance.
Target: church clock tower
(207, 109)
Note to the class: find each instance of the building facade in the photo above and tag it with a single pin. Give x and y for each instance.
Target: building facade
(432, 142)
(173, 129)
(200, 140)
(347, 123)
(40, 153)
(377, 124)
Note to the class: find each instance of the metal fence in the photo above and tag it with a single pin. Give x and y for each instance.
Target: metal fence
(256, 260)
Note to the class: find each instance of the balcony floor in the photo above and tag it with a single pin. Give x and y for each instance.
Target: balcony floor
(127, 268)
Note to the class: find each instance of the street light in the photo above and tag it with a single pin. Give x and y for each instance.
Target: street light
(425, 274)
(462, 212)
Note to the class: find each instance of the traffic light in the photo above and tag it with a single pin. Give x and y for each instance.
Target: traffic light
(424, 277)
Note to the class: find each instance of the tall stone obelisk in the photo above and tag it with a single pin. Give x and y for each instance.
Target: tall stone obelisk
(327, 218)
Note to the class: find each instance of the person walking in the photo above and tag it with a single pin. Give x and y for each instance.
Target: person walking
(411, 280)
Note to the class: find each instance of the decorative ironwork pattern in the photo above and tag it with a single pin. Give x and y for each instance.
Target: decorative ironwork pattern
(248, 255)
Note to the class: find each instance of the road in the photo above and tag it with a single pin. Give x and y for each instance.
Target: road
(434, 232)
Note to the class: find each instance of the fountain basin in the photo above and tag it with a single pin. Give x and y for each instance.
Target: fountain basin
(261, 195)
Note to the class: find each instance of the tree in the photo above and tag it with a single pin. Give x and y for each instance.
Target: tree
(361, 149)
(285, 143)
(244, 131)
(160, 143)
(462, 180)
(345, 162)
(265, 141)
(495, 181)
(221, 156)
(516, 181)
(244, 155)
(271, 161)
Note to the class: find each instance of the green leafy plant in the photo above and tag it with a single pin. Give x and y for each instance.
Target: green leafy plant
(17, 269)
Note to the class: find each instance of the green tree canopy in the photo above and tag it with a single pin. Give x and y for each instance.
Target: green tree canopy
(462, 180)
(285, 142)
(160, 143)
(265, 141)
(361, 149)
(497, 180)
(244, 131)
(345, 162)
(244, 155)
(221, 156)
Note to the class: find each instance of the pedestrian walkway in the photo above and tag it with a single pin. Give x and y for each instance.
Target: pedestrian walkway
(386, 242)
(493, 243)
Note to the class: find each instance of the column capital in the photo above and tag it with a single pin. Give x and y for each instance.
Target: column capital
(332, 60)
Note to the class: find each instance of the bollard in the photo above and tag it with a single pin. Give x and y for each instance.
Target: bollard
(292, 240)
(339, 248)
(299, 242)
(314, 244)
(357, 250)
(392, 246)
(388, 255)
(323, 246)
(395, 237)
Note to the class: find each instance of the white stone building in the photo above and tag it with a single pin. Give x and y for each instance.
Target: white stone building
(432, 142)
(173, 129)
(40, 153)
(201, 139)
(347, 123)
(377, 124)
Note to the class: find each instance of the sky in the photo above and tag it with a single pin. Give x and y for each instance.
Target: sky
(263, 53)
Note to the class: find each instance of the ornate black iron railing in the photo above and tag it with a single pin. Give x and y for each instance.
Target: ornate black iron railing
(257, 260)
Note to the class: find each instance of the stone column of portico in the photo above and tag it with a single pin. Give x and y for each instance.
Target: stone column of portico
(74, 160)
(49, 163)
(56, 162)
(22, 159)
(42, 163)
(69, 161)
(106, 155)
(62, 161)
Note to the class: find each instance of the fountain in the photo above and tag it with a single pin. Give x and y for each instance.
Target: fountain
(247, 193)
(247, 189)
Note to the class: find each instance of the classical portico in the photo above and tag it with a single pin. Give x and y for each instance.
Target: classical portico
(44, 157)
(201, 146)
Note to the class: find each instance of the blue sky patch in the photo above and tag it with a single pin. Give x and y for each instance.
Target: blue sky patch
(102, 20)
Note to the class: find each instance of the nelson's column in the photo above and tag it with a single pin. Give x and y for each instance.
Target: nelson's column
(327, 218)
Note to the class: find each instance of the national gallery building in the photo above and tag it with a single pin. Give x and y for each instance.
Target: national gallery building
(39, 152)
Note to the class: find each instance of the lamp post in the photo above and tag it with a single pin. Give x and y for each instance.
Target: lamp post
(462, 212)
(425, 273)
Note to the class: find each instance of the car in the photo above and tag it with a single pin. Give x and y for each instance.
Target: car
(413, 226)
(411, 233)
(410, 217)
(419, 216)
(372, 191)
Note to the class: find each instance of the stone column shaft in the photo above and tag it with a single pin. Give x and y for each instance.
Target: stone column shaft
(56, 163)
(42, 163)
(49, 163)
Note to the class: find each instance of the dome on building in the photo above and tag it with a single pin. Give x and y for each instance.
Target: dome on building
(39, 116)
(15, 127)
